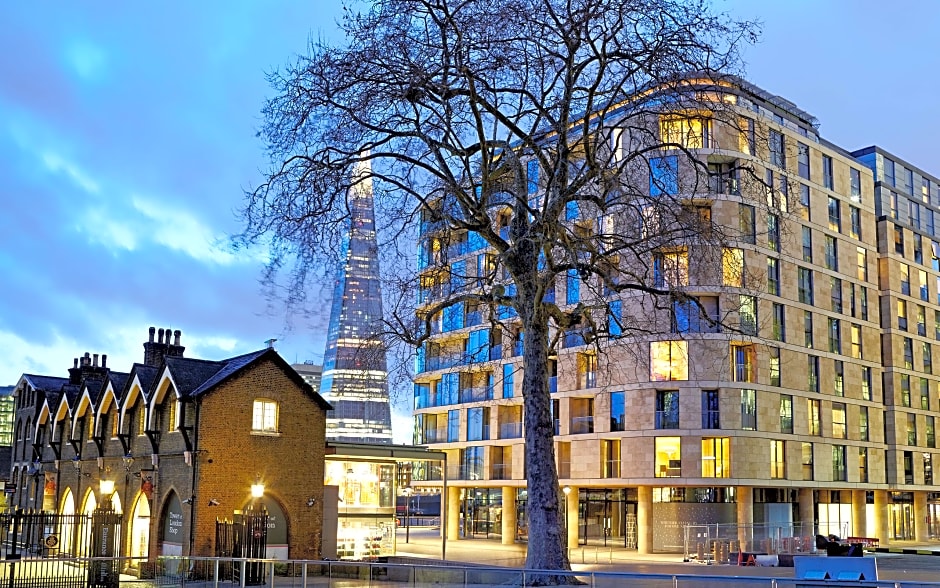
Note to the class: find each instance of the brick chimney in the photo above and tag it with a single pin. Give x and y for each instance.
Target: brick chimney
(164, 346)
(87, 366)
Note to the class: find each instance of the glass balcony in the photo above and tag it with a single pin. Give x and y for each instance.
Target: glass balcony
(582, 425)
(510, 430)
(475, 394)
(501, 471)
(564, 468)
(465, 472)
(435, 436)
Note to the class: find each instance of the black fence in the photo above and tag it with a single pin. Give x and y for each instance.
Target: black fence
(245, 536)
(41, 549)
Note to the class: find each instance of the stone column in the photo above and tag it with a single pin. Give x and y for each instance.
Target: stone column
(644, 519)
(745, 517)
(920, 516)
(453, 513)
(881, 517)
(509, 515)
(807, 513)
(859, 514)
(571, 513)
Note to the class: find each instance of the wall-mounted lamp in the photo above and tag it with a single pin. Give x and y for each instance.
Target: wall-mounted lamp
(213, 502)
(257, 490)
(311, 501)
(106, 487)
(566, 490)
(128, 460)
(77, 463)
(189, 500)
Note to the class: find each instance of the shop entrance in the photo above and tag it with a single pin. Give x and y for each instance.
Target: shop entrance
(483, 512)
(607, 517)
(901, 516)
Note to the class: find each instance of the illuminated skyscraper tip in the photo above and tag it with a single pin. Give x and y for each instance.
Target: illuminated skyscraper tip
(355, 377)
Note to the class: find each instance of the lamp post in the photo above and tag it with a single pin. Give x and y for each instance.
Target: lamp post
(407, 491)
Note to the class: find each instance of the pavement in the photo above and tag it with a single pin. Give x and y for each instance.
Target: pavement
(902, 561)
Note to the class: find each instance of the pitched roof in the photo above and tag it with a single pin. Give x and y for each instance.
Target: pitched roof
(190, 374)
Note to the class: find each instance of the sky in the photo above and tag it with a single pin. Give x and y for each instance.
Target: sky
(127, 139)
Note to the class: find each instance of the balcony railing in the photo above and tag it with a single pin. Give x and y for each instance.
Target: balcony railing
(501, 471)
(510, 430)
(564, 468)
(435, 436)
(475, 394)
(481, 433)
(666, 420)
(581, 425)
(725, 183)
(465, 472)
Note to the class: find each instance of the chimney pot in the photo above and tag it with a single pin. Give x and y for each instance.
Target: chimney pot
(104, 360)
(160, 335)
(152, 331)
(176, 337)
(75, 362)
(95, 362)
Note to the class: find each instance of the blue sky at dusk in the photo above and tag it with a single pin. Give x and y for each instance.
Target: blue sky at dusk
(127, 136)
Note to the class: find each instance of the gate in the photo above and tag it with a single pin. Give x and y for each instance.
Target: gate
(244, 537)
(49, 549)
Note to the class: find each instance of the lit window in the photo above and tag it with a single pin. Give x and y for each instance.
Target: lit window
(715, 460)
(668, 457)
(671, 269)
(689, 132)
(264, 416)
(669, 360)
(778, 461)
(732, 267)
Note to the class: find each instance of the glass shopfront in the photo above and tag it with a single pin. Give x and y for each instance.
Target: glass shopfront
(366, 513)
(901, 515)
(607, 517)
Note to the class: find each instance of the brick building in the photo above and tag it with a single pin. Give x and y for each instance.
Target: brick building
(183, 441)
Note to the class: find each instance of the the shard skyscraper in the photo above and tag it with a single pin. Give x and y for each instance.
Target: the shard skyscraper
(355, 376)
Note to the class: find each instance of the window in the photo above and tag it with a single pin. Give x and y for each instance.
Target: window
(839, 384)
(732, 267)
(855, 215)
(170, 407)
(749, 410)
(671, 269)
(863, 423)
(686, 131)
(614, 318)
(905, 390)
(715, 457)
(786, 413)
(669, 360)
(774, 353)
(747, 314)
(827, 172)
(862, 264)
(807, 244)
(617, 412)
(835, 337)
(699, 315)
(838, 463)
(838, 421)
(924, 394)
(807, 452)
(746, 223)
(911, 428)
(773, 276)
(902, 315)
(532, 176)
(777, 147)
(931, 432)
(832, 253)
(747, 142)
(264, 416)
(573, 287)
(587, 370)
(835, 294)
(927, 353)
(922, 286)
(908, 467)
(667, 409)
(863, 464)
(866, 383)
(805, 285)
(812, 406)
(919, 250)
(779, 326)
(855, 185)
(898, 239)
(710, 410)
(921, 321)
(804, 202)
(743, 363)
(610, 462)
(857, 341)
(778, 460)
(908, 348)
(142, 418)
(453, 426)
(664, 176)
(889, 171)
(478, 424)
(808, 329)
(668, 462)
(835, 215)
(802, 159)
(773, 232)
(508, 388)
(928, 469)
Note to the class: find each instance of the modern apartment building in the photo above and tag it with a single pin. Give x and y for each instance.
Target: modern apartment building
(787, 403)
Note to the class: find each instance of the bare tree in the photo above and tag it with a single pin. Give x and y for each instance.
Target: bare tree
(560, 137)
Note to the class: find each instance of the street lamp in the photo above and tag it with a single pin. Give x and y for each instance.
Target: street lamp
(407, 491)
(567, 491)
(106, 487)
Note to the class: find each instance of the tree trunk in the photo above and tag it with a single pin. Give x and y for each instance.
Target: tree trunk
(547, 541)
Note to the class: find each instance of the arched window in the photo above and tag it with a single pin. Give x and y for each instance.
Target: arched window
(264, 416)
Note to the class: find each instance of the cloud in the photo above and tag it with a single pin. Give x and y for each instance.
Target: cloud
(58, 164)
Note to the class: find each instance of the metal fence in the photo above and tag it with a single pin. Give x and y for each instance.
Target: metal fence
(208, 572)
(722, 543)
